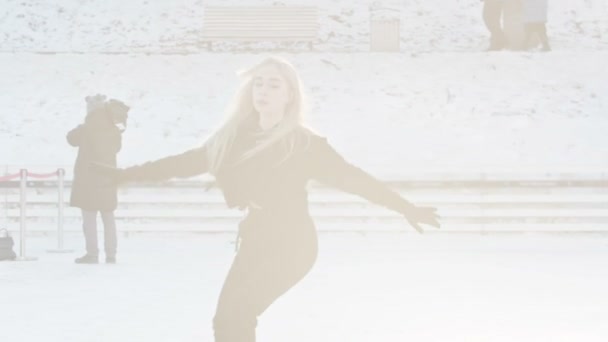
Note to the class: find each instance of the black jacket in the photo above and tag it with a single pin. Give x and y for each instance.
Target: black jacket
(98, 140)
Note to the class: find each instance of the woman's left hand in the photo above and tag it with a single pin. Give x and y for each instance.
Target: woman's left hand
(426, 215)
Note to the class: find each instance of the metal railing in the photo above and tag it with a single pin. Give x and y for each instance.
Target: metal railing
(477, 203)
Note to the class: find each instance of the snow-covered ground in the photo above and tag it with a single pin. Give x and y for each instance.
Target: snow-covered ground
(390, 113)
(440, 104)
(175, 26)
(377, 287)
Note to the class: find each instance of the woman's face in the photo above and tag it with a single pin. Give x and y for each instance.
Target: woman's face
(271, 92)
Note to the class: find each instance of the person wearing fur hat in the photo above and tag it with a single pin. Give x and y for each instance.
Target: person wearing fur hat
(98, 140)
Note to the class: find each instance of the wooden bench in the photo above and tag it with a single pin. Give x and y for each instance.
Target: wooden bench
(256, 24)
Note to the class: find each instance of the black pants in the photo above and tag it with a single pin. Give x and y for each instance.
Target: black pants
(274, 254)
(89, 227)
(492, 17)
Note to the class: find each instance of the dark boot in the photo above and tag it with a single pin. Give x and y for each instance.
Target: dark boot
(544, 39)
(87, 259)
(545, 42)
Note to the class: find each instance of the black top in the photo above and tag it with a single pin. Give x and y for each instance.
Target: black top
(275, 178)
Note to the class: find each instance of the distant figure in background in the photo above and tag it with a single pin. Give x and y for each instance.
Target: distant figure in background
(492, 17)
(98, 140)
(535, 19)
(263, 157)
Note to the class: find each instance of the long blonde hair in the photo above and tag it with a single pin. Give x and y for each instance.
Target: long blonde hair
(241, 109)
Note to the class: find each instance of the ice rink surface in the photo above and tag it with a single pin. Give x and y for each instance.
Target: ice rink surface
(373, 287)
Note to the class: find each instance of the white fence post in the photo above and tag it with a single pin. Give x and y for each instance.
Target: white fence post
(23, 224)
(60, 203)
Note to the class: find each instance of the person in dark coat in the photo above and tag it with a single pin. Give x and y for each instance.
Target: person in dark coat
(262, 158)
(98, 140)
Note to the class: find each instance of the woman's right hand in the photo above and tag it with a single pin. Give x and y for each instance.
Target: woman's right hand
(116, 174)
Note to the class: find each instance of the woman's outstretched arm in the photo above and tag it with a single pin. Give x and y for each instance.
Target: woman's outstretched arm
(330, 168)
(187, 164)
